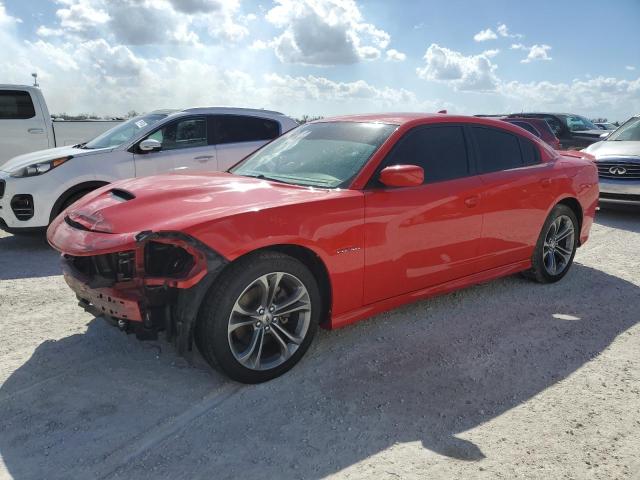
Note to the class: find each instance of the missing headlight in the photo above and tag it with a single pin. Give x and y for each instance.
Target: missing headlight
(166, 260)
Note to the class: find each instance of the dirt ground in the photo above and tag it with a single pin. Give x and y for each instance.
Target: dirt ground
(506, 380)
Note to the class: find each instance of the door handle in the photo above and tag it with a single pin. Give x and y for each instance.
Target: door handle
(35, 131)
(472, 201)
(203, 158)
(545, 182)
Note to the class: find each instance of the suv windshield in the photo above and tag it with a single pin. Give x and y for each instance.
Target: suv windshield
(124, 132)
(627, 132)
(327, 154)
(577, 123)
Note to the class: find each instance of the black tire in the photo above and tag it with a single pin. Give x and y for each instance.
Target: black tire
(72, 199)
(212, 337)
(540, 271)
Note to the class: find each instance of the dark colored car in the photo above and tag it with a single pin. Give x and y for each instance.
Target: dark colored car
(574, 131)
(607, 126)
(537, 126)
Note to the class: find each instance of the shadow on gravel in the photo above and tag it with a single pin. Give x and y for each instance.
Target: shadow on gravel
(27, 256)
(623, 217)
(102, 405)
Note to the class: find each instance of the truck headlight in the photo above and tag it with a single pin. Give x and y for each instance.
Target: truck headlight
(39, 168)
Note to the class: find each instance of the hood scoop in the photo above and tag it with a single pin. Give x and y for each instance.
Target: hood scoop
(121, 195)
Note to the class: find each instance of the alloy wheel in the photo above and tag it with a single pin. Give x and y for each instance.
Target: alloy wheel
(269, 321)
(559, 243)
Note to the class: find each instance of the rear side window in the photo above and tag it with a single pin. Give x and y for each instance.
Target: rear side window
(530, 153)
(554, 124)
(498, 150)
(527, 126)
(440, 150)
(238, 128)
(16, 105)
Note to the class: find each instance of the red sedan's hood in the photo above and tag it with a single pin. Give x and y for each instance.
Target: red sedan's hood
(179, 201)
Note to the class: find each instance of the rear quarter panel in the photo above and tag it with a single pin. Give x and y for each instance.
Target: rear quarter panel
(582, 176)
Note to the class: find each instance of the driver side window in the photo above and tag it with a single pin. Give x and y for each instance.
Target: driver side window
(441, 150)
(186, 133)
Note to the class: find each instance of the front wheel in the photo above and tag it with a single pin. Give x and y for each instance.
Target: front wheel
(260, 317)
(556, 246)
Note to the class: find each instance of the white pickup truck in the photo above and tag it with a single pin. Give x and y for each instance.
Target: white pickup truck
(26, 126)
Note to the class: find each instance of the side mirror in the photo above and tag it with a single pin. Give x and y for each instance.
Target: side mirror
(402, 176)
(150, 145)
(605, 134)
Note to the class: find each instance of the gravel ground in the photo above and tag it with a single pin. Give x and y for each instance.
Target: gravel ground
(505, 380)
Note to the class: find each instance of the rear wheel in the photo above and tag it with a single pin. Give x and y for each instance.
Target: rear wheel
(556, 246)
(260, 317)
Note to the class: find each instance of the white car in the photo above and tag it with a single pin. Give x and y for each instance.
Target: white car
(36, 187)
(26, 126)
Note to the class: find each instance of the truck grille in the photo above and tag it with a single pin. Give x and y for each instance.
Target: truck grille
(619, 169)
(114, 267)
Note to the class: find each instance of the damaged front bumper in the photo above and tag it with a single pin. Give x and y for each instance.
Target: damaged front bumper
(154, 284)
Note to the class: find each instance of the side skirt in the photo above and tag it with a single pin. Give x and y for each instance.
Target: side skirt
(361, 313)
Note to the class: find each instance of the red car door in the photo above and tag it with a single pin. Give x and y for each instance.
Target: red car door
(517, 194)
(420, 236)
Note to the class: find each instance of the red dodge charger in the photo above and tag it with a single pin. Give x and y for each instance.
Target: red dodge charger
(331, 223)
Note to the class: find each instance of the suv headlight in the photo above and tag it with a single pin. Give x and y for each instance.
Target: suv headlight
(39, 168)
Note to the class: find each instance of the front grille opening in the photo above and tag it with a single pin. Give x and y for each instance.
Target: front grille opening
(22, 206)
(115, 267)
(165, 260)
(619, 170)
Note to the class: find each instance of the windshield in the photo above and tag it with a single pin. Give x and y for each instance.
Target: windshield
(124, 132)
(577, 123)
(627, 132)
(327, 154)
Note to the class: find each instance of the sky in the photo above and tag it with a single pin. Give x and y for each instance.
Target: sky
(327, 57)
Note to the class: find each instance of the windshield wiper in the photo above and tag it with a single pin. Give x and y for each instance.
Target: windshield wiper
(271, 179)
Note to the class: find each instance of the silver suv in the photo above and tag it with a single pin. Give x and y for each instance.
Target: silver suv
(618, 160)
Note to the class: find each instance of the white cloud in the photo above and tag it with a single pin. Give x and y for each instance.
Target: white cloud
(5, 18)
(98, 77)
(503, 31)
(324, 32)
(146, 22)
(259, 45)
(43, 31)
(489, 34)
(491, 53)
(594, 96)
(484, 35)
(102, 76)
(196, 6)
(320, 88)
(631, 68)
(394, 55)
(537, 52)
(473, 72)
